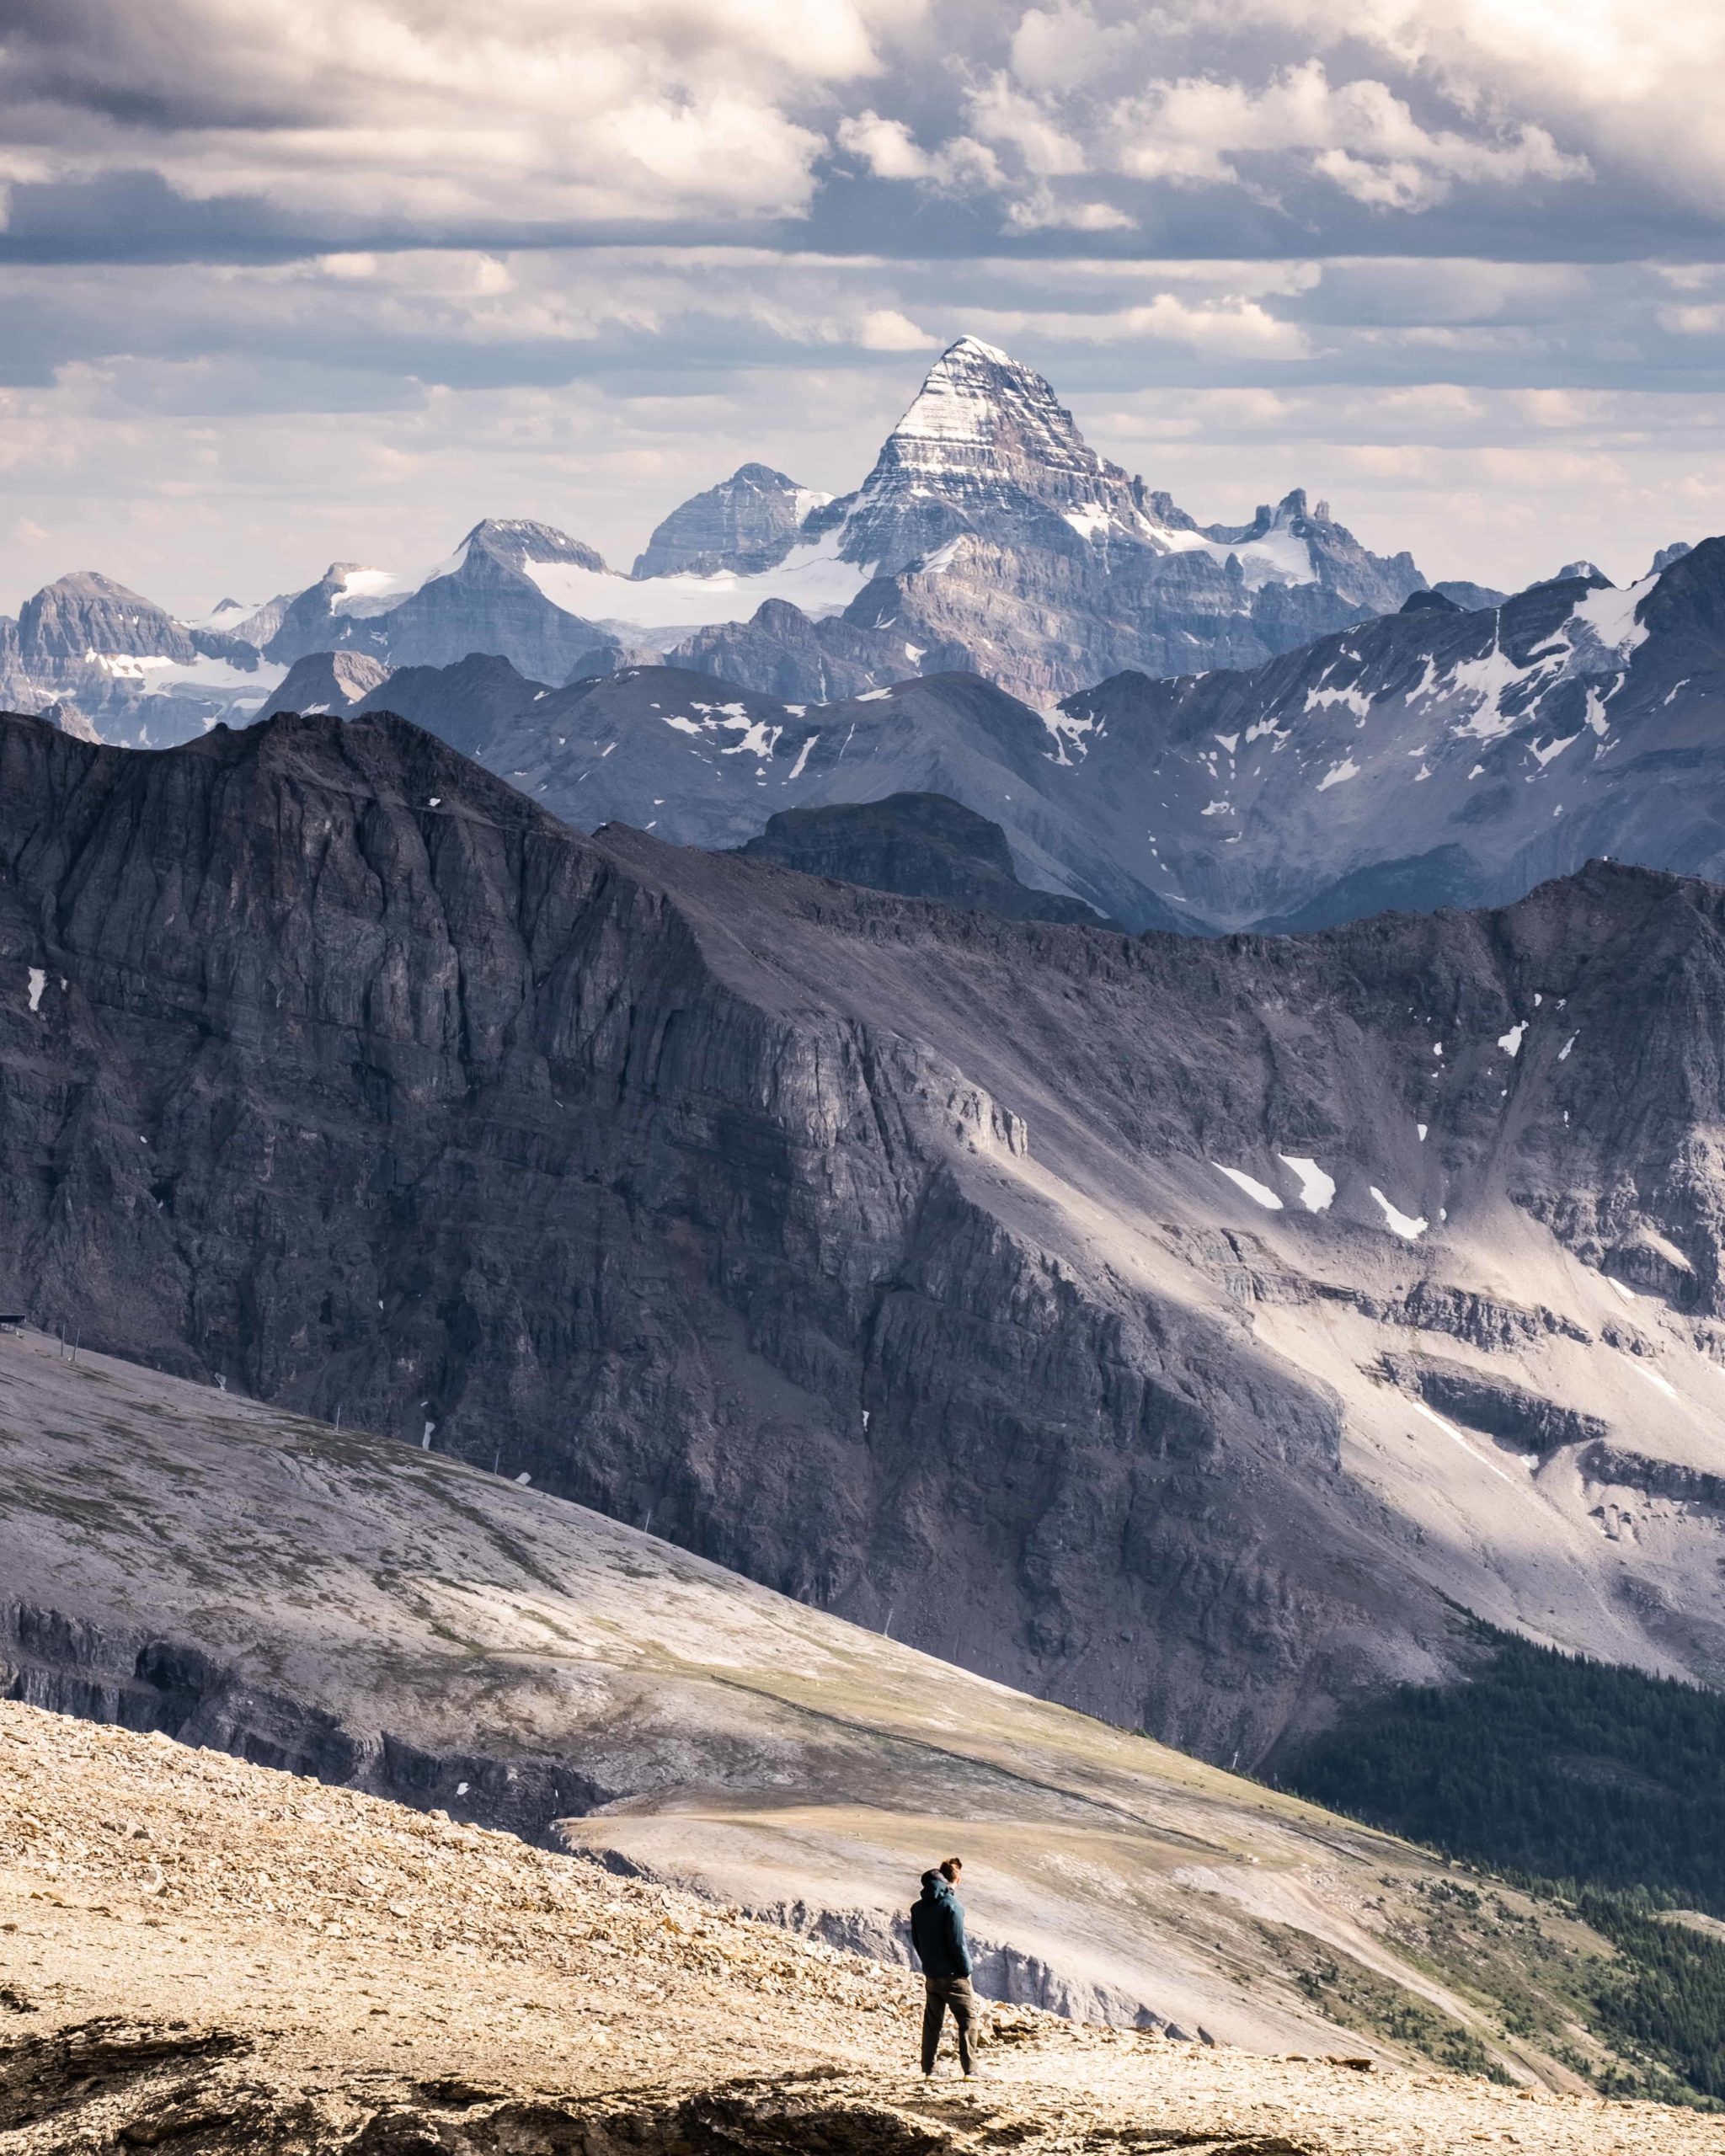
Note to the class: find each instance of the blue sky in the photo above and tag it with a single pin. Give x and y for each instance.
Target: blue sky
(286, 282)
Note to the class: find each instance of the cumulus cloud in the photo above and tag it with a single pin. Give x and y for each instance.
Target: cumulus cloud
(960, 165)
(1359, 136)
(414, 111)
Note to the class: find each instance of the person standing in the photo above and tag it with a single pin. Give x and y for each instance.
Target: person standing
(937, 1934)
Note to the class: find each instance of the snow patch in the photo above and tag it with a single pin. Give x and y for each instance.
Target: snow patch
(39, 981)
(1399, 1223)
(1607, 617)
(1510, 1043)
(1316, 1188)
(1354, 700)
(1563, 1052)
(1253, 1188)
(811, 577)
(1339, 774)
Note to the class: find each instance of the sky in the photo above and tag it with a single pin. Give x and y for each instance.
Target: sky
(284, 282)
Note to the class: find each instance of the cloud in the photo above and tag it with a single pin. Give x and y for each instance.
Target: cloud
(884, 329)
(1639, 90)
(414, 111)
(1358, 136)
(890, 151)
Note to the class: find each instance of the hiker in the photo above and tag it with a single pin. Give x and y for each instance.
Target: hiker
(937, 1934)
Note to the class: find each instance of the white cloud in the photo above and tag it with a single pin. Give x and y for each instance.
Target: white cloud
(1226, 327)
(410, 109)
(1359, 135)
(961, 165)
(1637, 87)
(999, 113)
(1041, 210)
(884, 329)
(1059, 47)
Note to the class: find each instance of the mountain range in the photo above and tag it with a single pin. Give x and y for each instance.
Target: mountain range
(1433, 756)
(1176, 726)
(1185, 1329)
(988, 537)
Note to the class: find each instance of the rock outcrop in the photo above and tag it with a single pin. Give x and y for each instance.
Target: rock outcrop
(922, 846)
(745, 523)
(337, 681)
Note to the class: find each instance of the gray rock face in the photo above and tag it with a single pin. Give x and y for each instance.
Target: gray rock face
(336, 681)
(1470, 597)
(706, 764)
(905, 1258)
(1430, 758)
(84, 618)
(922, 846)
(104, 658)
(746, 522)
(1003, 544)
(482, 601)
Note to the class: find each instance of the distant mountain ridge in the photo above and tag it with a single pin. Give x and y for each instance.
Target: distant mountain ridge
(921, 845)
(1431, 757)
(988, 537)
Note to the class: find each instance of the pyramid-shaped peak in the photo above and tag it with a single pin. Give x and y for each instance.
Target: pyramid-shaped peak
(977, 402)
(968, 348)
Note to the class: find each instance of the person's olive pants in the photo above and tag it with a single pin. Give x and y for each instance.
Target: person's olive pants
(954, 1993)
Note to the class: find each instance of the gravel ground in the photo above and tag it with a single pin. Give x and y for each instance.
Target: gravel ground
(203, 1955)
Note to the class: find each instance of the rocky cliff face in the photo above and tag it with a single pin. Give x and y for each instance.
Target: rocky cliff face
(86, 616)
(483, 599)
(1432, 757)
(998, 541)
(747, 522)
(337, 681)
(922, 846)
(1024, 1286)
(115, 663)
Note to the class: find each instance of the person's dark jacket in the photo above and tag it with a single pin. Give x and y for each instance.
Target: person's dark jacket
(938, 1930)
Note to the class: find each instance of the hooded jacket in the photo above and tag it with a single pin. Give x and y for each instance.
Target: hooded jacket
(937, 1930)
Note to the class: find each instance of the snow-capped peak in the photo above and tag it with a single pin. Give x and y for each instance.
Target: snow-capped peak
(977, 402)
